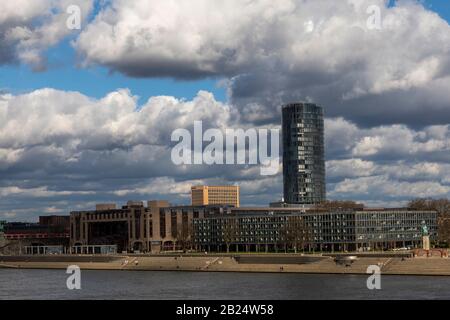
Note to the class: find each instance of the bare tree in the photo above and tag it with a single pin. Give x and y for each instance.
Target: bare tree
(295, 233)
(330, 205)
(442, 207)
(284, 236)
(184, 235)
(230, 231)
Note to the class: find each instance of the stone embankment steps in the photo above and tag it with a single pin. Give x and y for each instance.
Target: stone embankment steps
(357, 267)
(279, 264)
(417, 266)
(175, 263)
(323, 265)
(62, 262)
(6, 265)
(388, 265)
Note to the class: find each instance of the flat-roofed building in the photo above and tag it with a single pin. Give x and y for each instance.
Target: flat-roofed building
(381, 228)
(136, 227)
(276, 229)
(215, 195)
(50, 230)
(55, 222)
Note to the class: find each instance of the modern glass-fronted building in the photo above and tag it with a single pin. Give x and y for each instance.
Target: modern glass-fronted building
(303, 154)
(374, 227)
(277, 229)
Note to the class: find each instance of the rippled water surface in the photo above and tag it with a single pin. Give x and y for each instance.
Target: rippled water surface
(51, 284)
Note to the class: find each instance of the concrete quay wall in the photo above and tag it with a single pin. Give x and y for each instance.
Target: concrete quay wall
(252, 263)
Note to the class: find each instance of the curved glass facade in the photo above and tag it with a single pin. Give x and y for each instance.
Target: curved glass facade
(303, 153)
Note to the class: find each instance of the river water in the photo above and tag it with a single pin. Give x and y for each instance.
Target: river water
(51, 284)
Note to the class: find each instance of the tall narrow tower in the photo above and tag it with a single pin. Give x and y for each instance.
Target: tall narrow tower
(303, 154)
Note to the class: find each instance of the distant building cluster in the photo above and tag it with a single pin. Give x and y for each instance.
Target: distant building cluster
(157, 227)
(135, 227)
(48, 228)
(18, 237)
(278, 229)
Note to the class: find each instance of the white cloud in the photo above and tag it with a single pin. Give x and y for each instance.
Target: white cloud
(349, 168)
(269, 57)
(180, 38)
(29, 27)
(40, 192)
(417, 171)
(345, 138)
(152, 38)
(385, 94)
(85, 150)
(80, 122)
(162, 186)
(383, 186)
(399, 139)
(28, 10)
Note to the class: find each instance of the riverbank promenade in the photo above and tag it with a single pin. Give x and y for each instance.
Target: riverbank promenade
(395, 264)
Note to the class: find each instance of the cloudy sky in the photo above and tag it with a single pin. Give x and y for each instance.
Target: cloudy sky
(86, 115)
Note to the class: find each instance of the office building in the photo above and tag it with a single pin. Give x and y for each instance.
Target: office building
(56, 223)
(303, 154)
(134, 227)
(278, 229)
(50, 229)
(215, 195)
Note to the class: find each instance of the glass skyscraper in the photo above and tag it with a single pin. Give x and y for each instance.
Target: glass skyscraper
(303, 154)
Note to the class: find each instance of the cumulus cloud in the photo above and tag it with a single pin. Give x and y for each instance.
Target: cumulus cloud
(385, 141)
(385, 94)
(386, 162)
(180, 39)
(61, 145)
(115, 121)
(162, 186)
(29, 27)
(398, 170)
(346, 139)
(41, 192)
(349, 168)
(376, 185)
(320, 50)
(62, 150)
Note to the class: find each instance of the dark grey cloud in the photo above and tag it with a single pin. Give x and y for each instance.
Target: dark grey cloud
(385, 94)
(319, 50)
(29, 27)
(113, 150)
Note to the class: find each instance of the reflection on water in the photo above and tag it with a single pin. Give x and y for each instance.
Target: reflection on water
(51, 284)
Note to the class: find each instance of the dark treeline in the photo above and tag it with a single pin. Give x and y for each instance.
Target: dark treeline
(338, 204)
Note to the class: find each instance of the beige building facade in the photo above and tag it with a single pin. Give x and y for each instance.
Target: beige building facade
(215, 195)
(135, 227)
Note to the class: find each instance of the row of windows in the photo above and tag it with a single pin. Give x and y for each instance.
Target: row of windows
(263, 240)
(216, 233)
